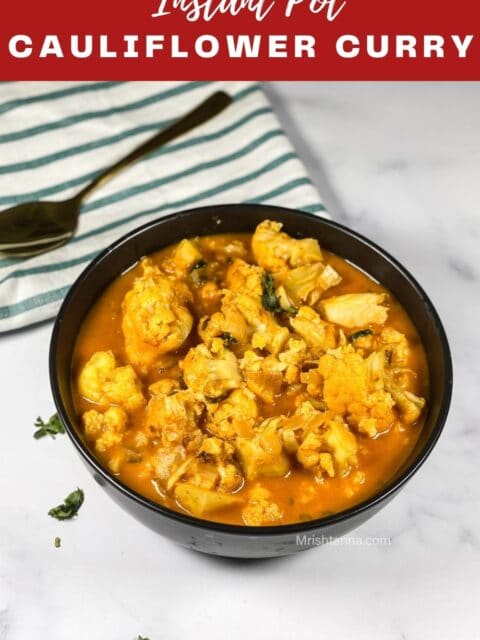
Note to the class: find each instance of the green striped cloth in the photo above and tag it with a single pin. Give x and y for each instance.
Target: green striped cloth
(55, 137)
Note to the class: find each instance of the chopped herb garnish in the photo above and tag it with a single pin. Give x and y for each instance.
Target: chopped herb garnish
(360, 334)
(290, 311)
(57, 542)
(270, 300)
(228, 339)
(142, 638)
(201, 264)
(70, 506)
(50, 428)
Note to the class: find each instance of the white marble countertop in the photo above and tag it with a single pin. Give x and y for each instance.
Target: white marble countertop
(398, 162)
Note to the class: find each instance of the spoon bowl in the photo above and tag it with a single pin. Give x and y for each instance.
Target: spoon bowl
(35, 227)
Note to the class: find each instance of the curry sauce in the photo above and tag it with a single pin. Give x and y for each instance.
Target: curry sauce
(247, 379)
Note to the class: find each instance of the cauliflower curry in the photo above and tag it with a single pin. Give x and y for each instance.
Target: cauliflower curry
(255, 380)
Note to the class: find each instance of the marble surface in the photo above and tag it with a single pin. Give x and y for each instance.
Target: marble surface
(398, 162)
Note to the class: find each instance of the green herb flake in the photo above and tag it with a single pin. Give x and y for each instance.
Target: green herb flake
(201, 264)
(228, 339)
(57, 542)
(50, 428)
(142, 638)
(360, 334)
(290, 311)
(270, 300)
(70, 506)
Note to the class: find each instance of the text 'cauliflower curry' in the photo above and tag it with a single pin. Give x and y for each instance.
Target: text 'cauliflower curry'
(253, 380)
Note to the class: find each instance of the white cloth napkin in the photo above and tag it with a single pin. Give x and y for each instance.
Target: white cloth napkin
(55, 137)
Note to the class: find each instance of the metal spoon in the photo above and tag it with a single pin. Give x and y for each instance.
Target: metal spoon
(31, 228)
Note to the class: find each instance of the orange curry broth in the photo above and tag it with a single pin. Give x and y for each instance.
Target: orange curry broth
(298, 495)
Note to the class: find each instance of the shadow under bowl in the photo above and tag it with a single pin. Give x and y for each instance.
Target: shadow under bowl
(234, 540)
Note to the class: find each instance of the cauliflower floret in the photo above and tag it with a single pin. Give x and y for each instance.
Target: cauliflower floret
(318, 334)
(164, 387)
(227, 322)
(166, 460)
(342, 444)
(310, 416)
(267, 334)
(330, 277)
(377, 414)
(389, 382)
(103, 383)
(155, 318)
(305, 285)
(260, 509)
(235, 416)
(216, 448)
(242, 317)
(185, 255)
(327, 445)
(396, 347)
(263, 454)
(105, 429)
(305, 419)
(356, 309)
(311, 456)
(345, 379)
(392, 344)
(244, 278)
(211, 373)
(215, 452)
(290, 439)
(375, 370)
(354, 387)
(211, 468)
(409, 405)
(293, 356)
(174, 419)
(275, 251)
(264, 376)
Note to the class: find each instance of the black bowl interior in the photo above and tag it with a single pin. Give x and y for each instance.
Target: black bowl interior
(243, 218)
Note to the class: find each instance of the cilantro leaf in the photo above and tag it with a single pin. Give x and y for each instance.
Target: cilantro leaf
(70, 506)
(270, 300)
(360, 334)
(51, 428)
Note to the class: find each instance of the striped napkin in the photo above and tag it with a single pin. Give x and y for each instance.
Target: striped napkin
(56, 137)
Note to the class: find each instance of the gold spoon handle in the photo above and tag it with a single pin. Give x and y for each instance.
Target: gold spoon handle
(210, 107)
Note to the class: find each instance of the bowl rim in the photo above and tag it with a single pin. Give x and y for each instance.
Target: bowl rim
(376, 499)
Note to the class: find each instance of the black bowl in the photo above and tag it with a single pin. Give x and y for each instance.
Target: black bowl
(233, 540)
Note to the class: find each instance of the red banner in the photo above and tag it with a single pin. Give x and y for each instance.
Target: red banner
(241, 39)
